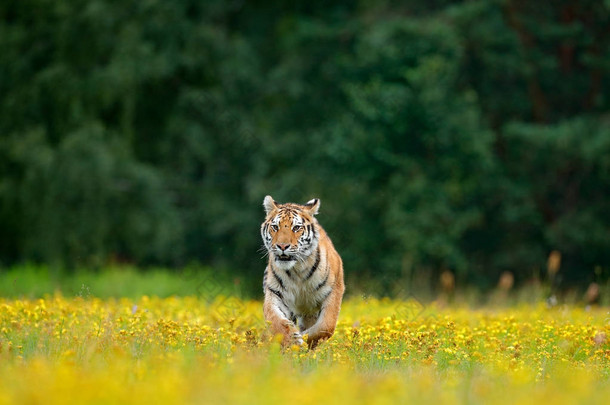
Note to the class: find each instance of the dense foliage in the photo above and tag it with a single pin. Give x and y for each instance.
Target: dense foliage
(472, 136)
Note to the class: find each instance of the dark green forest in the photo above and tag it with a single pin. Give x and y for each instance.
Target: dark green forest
(472, 136)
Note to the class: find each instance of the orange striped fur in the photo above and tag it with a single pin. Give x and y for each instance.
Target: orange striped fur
(303, 281)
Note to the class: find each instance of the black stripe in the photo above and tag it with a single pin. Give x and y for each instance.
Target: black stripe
(276, 292)
(279, 280)
(315, 265)
(283, 313)
(288, 274)
(323, 283)
(309, 234)
(293, 318)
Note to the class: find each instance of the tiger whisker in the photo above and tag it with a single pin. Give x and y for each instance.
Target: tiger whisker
(264, 251)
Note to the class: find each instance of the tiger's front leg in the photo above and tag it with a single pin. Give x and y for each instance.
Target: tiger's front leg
(324, 327)
(279, 322)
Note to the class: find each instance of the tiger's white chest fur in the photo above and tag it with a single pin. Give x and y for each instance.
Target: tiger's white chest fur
(302, 288)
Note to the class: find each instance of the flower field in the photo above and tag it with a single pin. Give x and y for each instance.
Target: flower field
(190, 350)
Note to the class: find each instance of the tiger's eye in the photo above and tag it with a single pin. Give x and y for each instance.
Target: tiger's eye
(274, 227)
(296, 228)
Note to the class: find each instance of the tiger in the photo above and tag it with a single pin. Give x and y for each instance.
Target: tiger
(303, 282)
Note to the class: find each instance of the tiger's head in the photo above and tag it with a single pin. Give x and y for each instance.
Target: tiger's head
(289, 231)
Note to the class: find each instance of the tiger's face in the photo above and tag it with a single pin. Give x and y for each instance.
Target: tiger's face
(289, 231)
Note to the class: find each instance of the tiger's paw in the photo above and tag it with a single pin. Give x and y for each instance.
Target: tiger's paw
(297, 339)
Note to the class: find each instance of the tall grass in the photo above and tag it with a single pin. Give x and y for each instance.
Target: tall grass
(34, 281)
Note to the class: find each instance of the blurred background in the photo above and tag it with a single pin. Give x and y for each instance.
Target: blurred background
(451, 142)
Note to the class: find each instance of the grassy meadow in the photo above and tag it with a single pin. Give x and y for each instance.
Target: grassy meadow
(83, 348)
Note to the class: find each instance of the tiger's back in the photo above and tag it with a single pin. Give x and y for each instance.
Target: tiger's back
(303, 282)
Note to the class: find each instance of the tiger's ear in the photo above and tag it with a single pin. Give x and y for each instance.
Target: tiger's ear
(269, 204)
(313, 206)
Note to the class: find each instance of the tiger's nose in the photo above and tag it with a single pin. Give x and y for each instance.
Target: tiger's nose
(283, 246)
